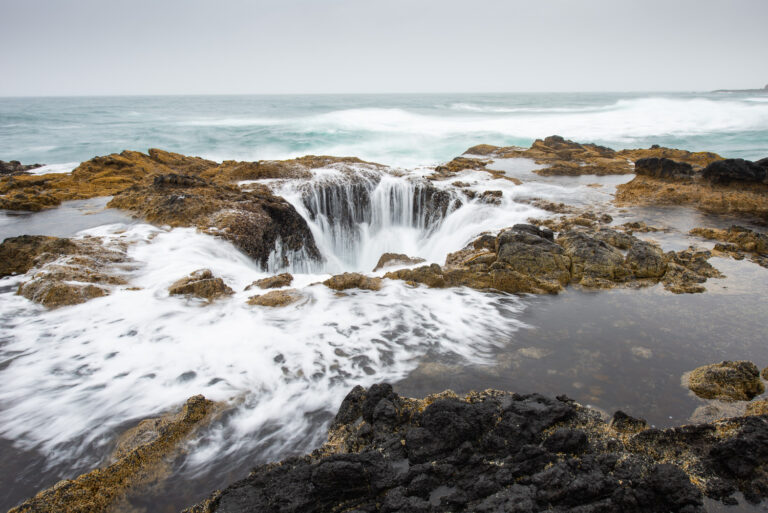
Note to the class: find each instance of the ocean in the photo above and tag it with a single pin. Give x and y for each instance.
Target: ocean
(73, 378)
(397, 130)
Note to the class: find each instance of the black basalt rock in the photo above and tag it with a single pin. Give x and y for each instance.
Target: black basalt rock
(663, 168)
(734, 170)
(501, 452)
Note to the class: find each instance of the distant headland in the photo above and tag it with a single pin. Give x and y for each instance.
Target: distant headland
(763, 90)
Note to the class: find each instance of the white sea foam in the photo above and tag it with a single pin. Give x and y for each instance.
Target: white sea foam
(66, 167)
(77, 372)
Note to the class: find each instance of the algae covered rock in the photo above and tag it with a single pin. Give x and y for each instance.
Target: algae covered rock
(65, 272)
(201, 284)
(352, 281)
(272, 282)
(20, 254)
(277, 298)
(727, 381)
(393, 259)
(140, 459)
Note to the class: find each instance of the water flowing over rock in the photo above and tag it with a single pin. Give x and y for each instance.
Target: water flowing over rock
(201, 284)
(64, 271)
(264, 226)
(727, 381)
(273, 282)
(138, 460)
(498, 451)
(277, 298)
(393, 259)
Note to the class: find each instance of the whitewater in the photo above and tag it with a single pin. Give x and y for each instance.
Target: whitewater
(74, 377)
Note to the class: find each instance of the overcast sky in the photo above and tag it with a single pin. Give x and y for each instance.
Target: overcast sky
(83, 47)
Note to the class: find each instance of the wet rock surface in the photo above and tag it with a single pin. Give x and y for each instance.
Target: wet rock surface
(498, 451)
(64, 271)
(733, 186)
(739, 242)
(256, 221)
(201, 284)
(529, 259)
(564, 157)
(393, 259)
(14, 167)
(272, 282)
(277, 298)
(139, 459)
(352, 281)
(727, 381)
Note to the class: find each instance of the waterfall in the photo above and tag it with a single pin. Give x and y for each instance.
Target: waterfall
(355, 218)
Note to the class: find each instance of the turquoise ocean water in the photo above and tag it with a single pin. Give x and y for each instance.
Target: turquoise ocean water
(404, 130)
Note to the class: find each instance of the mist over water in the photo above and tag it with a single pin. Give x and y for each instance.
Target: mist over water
(401, 130)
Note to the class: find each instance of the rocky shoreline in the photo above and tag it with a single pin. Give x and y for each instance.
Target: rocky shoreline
(485, 451)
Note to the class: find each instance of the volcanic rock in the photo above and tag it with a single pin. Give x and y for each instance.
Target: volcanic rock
(65, 271)
(663, 168)
(14, 167)
(201, 284)
(393, 259)
(277, 298)
(740, 241)
(497, 451)
(727, 381)
(140, 458)
(734, 170)
(272, 282)
(352, 281)
(255, 221)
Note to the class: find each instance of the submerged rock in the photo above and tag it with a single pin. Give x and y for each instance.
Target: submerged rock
(140, 458)
(277, 298)
(726, 381)
(64, 271)
(352, 281)
(740, 241)
(20, 254)
(201, 284)
(393, 259)
(272, 282)
(497, 451)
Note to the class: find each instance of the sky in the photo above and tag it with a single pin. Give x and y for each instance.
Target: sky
(120, 47)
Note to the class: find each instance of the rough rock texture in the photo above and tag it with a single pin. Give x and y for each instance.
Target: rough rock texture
(20, 254)
(272, 282)
(496, 451)
(732, 186)
(393, 259)
(564, 157)
(734, 170)
(739, 241)
(352, 281)
(100, 176)
(255, 221)
(663, 168)
(726, 381)
(14, 167)
(110, 174)
(277, 298)
(527, 259)
(64, 271)
(139, 460)
(201, 284)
